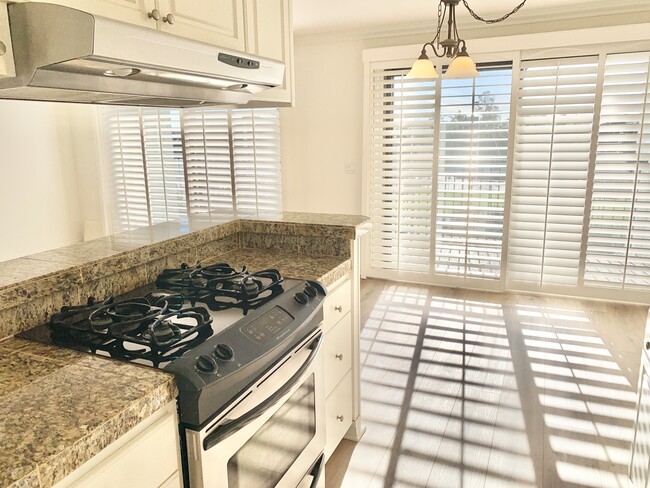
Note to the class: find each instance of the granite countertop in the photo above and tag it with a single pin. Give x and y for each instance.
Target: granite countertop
(59, 408)
(60, 265)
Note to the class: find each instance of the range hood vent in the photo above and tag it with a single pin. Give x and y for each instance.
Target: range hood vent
(63, 54)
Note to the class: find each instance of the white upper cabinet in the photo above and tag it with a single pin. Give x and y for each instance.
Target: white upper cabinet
(269, 33)
(218, 22)
(131, 11)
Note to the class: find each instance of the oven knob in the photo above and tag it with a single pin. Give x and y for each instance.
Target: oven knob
(206, 364)
(301, 298)
(311, 291)
(223, 352)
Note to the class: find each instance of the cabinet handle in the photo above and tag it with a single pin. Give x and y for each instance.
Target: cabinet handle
(647, 345)
(339, 357)
(169, 18)
(154, 14)
(340, 418)
(339, 308)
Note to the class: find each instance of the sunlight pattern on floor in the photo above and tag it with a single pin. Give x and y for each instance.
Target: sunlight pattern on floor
(470, 389)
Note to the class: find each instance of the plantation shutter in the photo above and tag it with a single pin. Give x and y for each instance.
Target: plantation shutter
(128, 182)
(163, 153)
(472, 169)
(618, 247)
(207, 159)
(402, 137)
(555, 112)
(147, 173)
(256, 160)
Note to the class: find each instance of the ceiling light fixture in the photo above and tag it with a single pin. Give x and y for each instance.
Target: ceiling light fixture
(454, 47)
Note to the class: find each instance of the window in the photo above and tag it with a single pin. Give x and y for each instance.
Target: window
(567, 180)
(465, 162)
(618, 245)
(472, 167)
(555, 115)
(167, 163)
(403, 122)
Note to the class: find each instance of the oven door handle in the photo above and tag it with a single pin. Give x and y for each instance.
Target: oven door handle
(231, 426)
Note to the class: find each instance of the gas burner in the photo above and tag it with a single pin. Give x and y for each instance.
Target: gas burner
(125, 316)
(246, 292)
(185, 280)
(221, 271)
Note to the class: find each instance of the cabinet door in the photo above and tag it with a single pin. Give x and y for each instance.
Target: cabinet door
(131, 11)
(217, 22)
(641, 447)
(269, 33)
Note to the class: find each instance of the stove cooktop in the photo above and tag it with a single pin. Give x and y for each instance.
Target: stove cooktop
(214, 328)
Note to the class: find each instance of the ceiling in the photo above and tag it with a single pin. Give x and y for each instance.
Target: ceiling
(319, 16)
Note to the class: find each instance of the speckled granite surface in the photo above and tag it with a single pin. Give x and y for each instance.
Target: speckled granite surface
(35, 286)
(59, 408)
(326, 269)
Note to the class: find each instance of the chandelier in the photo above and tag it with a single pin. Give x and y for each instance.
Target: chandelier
(453, 46)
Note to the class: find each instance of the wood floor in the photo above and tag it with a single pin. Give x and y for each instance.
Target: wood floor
(472, 389)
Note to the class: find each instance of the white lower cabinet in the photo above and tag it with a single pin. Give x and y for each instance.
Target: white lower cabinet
(338, 414)
(337, 325)
(148, 456)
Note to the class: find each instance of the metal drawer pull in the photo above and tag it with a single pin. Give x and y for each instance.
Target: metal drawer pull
(340, 418)
(647, 345)
(339, 308)
(339, 357)
(169, 18)
(154, 14)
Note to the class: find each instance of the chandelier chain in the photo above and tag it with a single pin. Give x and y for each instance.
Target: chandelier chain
(440, 20)
(492, 21)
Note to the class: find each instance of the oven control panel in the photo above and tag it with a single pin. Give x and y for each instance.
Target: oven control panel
(269, 326)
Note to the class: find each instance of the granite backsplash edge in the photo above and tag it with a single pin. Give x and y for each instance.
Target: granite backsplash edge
(118, 267)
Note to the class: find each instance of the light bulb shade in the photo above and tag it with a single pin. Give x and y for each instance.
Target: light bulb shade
(423, 68)
(462, 67)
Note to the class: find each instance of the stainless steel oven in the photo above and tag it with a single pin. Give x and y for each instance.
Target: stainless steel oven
(272, 434)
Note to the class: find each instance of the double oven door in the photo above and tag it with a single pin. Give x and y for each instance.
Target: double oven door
(273, 435)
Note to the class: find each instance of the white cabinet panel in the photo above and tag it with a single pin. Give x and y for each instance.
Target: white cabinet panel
(131, 11)
(338, 414)
(337, 304)
(217, 22)
(269, 33)
(338, 353)
(146, 457)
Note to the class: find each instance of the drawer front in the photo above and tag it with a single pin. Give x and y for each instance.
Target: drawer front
(338, 414)
(338, 352)
(337, 304)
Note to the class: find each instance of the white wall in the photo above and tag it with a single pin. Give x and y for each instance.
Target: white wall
(40, 188)
(321, 133)
(325, 128)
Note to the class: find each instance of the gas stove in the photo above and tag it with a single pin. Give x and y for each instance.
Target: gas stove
(207, 325)
(245, 350)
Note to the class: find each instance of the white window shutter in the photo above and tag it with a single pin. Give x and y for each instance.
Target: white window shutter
(618, 248)
(207, 160)
(402, 135)
(256, 160)
(128, 183)
(555, 112)
(163, 152)
(472, 169)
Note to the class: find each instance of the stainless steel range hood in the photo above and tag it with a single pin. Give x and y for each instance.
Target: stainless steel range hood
(63, 54)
